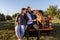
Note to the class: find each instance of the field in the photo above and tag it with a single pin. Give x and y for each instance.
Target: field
(7, 31)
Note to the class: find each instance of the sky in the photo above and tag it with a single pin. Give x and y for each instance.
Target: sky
(10, 7)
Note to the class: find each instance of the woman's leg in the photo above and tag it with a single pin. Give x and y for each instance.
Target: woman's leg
(22, 30)
(18, 33)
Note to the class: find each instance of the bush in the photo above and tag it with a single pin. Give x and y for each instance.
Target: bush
(2, 17)
(14, 16)
(4, 26)
(8, 17)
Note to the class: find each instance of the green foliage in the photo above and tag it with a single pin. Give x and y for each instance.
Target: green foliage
(7, 35)
(5, 17)
(52, 10)
(7, 31)
(8, 17)
(2, 17)
(7, 25)
(58, 12)
(14, 16)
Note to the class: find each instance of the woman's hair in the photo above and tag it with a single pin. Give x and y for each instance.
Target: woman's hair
(22, 10)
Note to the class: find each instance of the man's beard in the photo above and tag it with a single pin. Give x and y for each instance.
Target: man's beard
(29, 11)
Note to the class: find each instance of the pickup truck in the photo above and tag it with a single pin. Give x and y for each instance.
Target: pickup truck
(46, 30)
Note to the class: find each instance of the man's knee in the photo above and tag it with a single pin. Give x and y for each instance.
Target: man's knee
(36, 26)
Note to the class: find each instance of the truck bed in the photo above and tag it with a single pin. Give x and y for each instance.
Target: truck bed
(42, 29)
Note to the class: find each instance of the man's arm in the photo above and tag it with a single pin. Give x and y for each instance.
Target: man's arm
(32, 20)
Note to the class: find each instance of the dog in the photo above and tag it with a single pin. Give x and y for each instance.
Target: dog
(40, 18)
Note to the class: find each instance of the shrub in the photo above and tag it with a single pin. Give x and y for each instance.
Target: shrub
(8, 17)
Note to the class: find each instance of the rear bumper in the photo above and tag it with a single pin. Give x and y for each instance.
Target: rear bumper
(42, 29)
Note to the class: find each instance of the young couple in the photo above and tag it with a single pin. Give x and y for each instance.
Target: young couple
(25, 20)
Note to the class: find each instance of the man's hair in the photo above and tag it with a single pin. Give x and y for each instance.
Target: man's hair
(28, 6)
(28, 9)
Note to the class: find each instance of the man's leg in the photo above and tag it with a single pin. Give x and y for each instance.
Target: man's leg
(38, 31)
(27, 33)
(38, 34)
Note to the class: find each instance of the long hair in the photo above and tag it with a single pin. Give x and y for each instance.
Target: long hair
(25, 16)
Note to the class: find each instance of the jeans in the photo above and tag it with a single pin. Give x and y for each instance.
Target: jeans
(37, 29)
(20, 30)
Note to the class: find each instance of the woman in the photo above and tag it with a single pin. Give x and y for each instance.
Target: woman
(49, 21)
(20, 24)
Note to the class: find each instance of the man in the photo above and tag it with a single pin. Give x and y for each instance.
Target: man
(31, 23)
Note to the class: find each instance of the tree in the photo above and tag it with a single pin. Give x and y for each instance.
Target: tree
(58, 12)
(2, 17)
(52, 10)
(8, 17)
(14, 16)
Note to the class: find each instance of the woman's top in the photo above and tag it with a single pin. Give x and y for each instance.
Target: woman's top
(21, 20)
(49, 18)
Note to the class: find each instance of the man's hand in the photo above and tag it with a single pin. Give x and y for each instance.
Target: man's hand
(32, 20)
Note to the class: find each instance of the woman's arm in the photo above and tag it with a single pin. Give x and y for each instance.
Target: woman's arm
(16, 20)
(16, 23)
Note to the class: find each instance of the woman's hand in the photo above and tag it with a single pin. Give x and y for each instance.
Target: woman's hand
(16, 23)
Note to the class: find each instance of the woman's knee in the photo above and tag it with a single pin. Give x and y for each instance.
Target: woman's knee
(19, 38)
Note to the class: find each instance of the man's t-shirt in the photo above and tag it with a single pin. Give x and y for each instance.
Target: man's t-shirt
(30, 18)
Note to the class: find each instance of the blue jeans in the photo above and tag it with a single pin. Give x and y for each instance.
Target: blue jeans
(20, 30)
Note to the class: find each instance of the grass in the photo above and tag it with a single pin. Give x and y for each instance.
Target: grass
(56, 21)
(7, 35)
(56, 26)
(7, 31)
